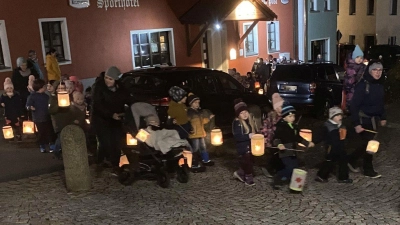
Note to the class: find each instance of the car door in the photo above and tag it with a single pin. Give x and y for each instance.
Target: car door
(334, 83)
(206, 88)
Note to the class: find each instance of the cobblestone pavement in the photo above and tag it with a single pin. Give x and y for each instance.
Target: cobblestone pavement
(213, 197)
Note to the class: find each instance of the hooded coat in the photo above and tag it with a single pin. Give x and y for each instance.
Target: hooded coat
(354, 73)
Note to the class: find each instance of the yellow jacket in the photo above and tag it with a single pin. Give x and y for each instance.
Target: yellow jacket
(178, 111)
(197, 120)
(53, 69)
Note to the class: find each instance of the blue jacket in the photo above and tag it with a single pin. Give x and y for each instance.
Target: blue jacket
(242, 139)
(368, 98)
(41, 103)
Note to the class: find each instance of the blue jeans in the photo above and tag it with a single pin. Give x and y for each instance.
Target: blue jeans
(199, 144)
(290, 163)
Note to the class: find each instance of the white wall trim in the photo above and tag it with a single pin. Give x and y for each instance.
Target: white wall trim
(278, 37)
(301, 30)
(5, 47)
(255, 31)
(327, 46)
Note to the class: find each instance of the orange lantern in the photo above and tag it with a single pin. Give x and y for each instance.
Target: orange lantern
(8, 132)
(123, 160)
(130, 140)
(63, 99)
(28, 127)
(188, 156)
(372, 146)
(216, 137)
(257, 145)
(260, 91)
(257, 84)
(306, 134)
(142, 135)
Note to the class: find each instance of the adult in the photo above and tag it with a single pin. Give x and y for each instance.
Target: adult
(52, 67)
(354, 71)
(109, 99)
(263, 72)
(367, 110)
(33, 63)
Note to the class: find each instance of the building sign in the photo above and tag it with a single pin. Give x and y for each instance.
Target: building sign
(79, 4)
(117, 4)
(275, 2)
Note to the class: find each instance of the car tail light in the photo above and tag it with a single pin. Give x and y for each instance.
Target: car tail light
(160, 102)
(313, 86)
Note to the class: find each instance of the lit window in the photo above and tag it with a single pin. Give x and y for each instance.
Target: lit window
(152, 48)
(273, 36)
(5, 59)
(54, 34)
(251, 41)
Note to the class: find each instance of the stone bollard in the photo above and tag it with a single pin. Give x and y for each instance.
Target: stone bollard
(76, 165)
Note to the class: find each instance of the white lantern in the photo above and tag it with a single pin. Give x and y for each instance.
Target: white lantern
(130, 140)
(188, 156)
(306, 134)
(87, 121)
(216, 137)
(298, 180)
(142, 135)
(372, 146)
(8, 132)
(260, 91)
(28, 127)
(63, 99)
(257, 145)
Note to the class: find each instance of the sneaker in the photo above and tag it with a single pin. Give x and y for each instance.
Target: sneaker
(42, 149)
(372, 175)
(321, 180)
(248, 180)
(237, 176)
(51, 148)
(347, 181)
(353, 169)
(209, 163)
(266, 173)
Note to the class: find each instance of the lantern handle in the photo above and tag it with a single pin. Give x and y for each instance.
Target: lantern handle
(289, 149)
(371, 131)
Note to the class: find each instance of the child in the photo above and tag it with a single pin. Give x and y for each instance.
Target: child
(197, 121)
(286, 137)
(13, 111)
(79, 109)
(243, 128)
(38, 102)
(177, 110)
(70, 87)
(50, 88)
(334, 143)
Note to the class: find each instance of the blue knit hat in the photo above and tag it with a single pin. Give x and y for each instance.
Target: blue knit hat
(177, 93)
(357, 52)
(287, 109)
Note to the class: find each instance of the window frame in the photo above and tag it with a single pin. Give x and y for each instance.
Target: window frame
(327, 5)
(5, 49)
(352, 7)
(352, 39)
(337, 6)
(370, 4)
(313, 6)
(254, 34)
(393, 7)
(171, 45)
(277, 37)
(64, 37)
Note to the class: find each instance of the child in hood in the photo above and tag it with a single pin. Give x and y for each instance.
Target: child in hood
(13, 108)
(354, 71)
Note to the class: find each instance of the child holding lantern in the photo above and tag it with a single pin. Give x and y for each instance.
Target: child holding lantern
(243, 128)
(286, 137)
(13, 109)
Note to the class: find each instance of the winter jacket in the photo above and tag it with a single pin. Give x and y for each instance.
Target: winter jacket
(13, 108)
(197, 121)
(242, 139)
(330, 134)
(354, 73)
(21, 82)
(288, 135)
(41, 103)
(178, 112)
(52, 67)
(368, 100)
(269, 127)
(35, 68)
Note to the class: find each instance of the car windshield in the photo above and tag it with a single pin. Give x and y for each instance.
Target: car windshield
(293, 73)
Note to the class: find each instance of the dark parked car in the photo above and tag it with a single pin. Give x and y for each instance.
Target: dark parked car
(217, 90)
(312, 85)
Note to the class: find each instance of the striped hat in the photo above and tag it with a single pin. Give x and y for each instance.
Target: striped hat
(287, 109)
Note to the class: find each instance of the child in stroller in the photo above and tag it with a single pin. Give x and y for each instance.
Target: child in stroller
(155, 158)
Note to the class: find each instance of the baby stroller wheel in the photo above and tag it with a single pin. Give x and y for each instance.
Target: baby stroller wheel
(182, 174)
(163, 178)
(126, 177)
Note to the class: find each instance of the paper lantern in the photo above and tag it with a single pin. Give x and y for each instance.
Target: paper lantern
(298, 180)
(372, 146)
(8, 132)
(188, 156)
(142, 135)
(342, 133)
(306, 134)
(260, 91)
(216, 137)
(130, 140)
(28, 127)
(257, 84)
(257, 145)
(63, 99)
(123, 160)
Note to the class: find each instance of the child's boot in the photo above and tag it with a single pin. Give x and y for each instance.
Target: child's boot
(52, 148)
(206, 159)
(248, 180)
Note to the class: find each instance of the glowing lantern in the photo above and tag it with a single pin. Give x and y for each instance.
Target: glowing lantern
(257, 84)
(257, 145)
(188, 156)
(28, 127)
(142, 135)
(87, 121)
(123, 160)
(372, 146)
(216, 137)
(306, 134)
(63, 99)
(298, 180)
(8, 132)
(130, 140)
(232, 54)
(260, 91)
(342, 132)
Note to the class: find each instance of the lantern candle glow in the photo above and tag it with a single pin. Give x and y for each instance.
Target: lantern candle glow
(257, 145)
(63, 99)
(8, 132)
(260, 91)
(28, 127)
(142, 135)
(130, 140)
(372, 146)
(306, 134)
(216, 137)
(188, 156)
(257, 84)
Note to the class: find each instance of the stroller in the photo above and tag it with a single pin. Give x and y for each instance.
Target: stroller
(156, 158)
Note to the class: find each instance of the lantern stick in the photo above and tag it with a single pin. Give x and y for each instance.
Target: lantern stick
(289, 149)
(371, 131)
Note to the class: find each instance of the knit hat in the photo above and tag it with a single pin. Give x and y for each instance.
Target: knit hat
(240, 106)
(191, 98)
(73, 78)
(287, 109)
(277, 101)
(8, 83)
(334, 111)
(20, 61)
(357, 52)
(375, 65)
(113, 72)
(177, 93)
(152, 120)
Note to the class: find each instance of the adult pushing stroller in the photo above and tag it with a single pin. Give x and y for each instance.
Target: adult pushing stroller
(156, 157)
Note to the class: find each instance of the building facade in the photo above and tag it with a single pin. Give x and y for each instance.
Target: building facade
(388, 22)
